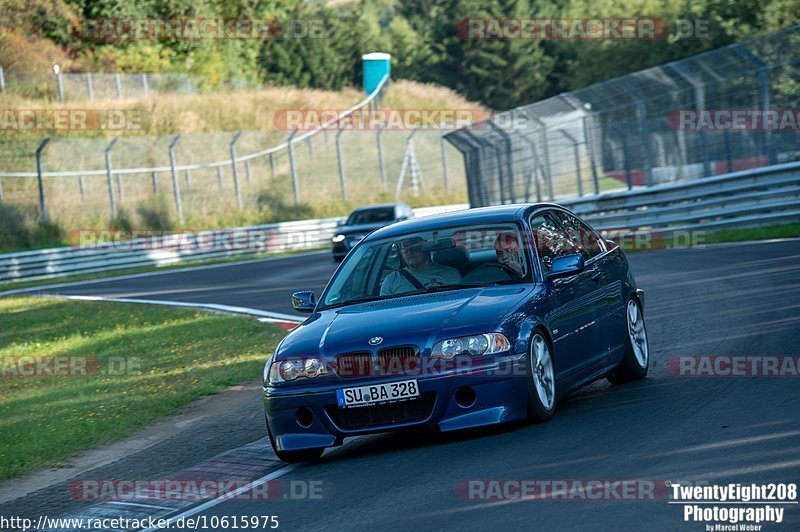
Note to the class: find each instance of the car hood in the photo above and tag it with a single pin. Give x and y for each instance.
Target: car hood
(419, 320)
(362, 229)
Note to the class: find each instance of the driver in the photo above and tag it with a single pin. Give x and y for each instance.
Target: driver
(509, 263)
(420, 271)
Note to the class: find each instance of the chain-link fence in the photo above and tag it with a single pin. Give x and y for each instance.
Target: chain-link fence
(81, 182)
(99, 86)
(726, 110)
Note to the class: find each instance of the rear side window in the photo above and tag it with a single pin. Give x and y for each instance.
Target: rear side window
(585, 240)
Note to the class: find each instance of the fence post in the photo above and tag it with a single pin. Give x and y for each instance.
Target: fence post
(2, 80)
(444, 164)
(546, 152)
(1, 189)
(625, 154)
(219, 176)
(176, 187)
(293, 165)
(310, 143)
(235, 171)
(81, 187)
(109, 178)
(155, 182)
(89, 85)
(272, 164)
(644, 132)
(187, 178)
(380, 158)
(118, 86)
(576, 155)
(145, 85)
(699, 103)
(763, 92)
(342, 182)
(118, 178)
(247, 171)
(59, 84)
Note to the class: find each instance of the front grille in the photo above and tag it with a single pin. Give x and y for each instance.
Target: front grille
(354, 364)
(402, 359)
(379, 415)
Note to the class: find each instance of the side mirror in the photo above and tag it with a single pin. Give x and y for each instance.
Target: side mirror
(566, 266)
(304, 301)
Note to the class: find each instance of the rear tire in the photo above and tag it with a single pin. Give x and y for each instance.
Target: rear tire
(636, 360)
(541, 379)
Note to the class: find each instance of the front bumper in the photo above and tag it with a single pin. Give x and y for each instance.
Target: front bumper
(500, 395)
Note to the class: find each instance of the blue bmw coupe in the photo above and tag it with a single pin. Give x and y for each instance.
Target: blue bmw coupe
(454, 321)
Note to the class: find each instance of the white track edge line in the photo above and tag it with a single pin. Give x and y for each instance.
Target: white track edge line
(230, 495)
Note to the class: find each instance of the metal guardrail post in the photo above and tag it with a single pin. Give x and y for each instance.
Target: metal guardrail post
(293, 165)
(576, 155)
(109, 177)
(340, 159)
(236, 189)
(381, 165)
(89, 85)
(445, 173)
(176, 186)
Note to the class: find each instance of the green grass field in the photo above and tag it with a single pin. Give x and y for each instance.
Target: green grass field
(122, 367)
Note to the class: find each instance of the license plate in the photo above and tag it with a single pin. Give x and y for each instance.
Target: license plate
(377, 393)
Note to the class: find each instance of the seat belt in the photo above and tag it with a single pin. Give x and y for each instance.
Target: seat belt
(411, 279)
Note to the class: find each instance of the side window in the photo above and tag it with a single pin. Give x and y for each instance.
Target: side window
(550, 240)
(586, 241)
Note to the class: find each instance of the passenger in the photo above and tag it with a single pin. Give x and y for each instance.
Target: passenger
(420, 271)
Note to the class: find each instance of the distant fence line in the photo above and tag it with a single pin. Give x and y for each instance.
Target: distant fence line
(660, 125)
(64, 167)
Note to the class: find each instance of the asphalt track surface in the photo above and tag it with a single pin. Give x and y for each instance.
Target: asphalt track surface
(741, 299)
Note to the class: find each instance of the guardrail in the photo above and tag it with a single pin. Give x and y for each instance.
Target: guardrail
(758, 196)
(174, 248)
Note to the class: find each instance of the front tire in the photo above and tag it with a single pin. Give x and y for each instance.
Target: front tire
(636, 361)
(541, 380)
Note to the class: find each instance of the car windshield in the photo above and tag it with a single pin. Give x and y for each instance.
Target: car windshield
(371, 216)
(465, 256)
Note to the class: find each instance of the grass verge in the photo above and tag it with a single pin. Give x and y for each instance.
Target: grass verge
(121, 367)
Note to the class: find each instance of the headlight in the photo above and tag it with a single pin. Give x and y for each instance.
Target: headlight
(337, 238)
(290, 370)
(479, 344)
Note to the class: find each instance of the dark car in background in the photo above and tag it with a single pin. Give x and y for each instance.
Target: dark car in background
(363, 221)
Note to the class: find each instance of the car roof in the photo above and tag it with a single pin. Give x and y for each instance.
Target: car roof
(498, 213)
(377, 206)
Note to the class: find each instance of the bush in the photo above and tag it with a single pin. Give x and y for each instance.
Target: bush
(22, 229)
(273, 208)
(155, 215)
